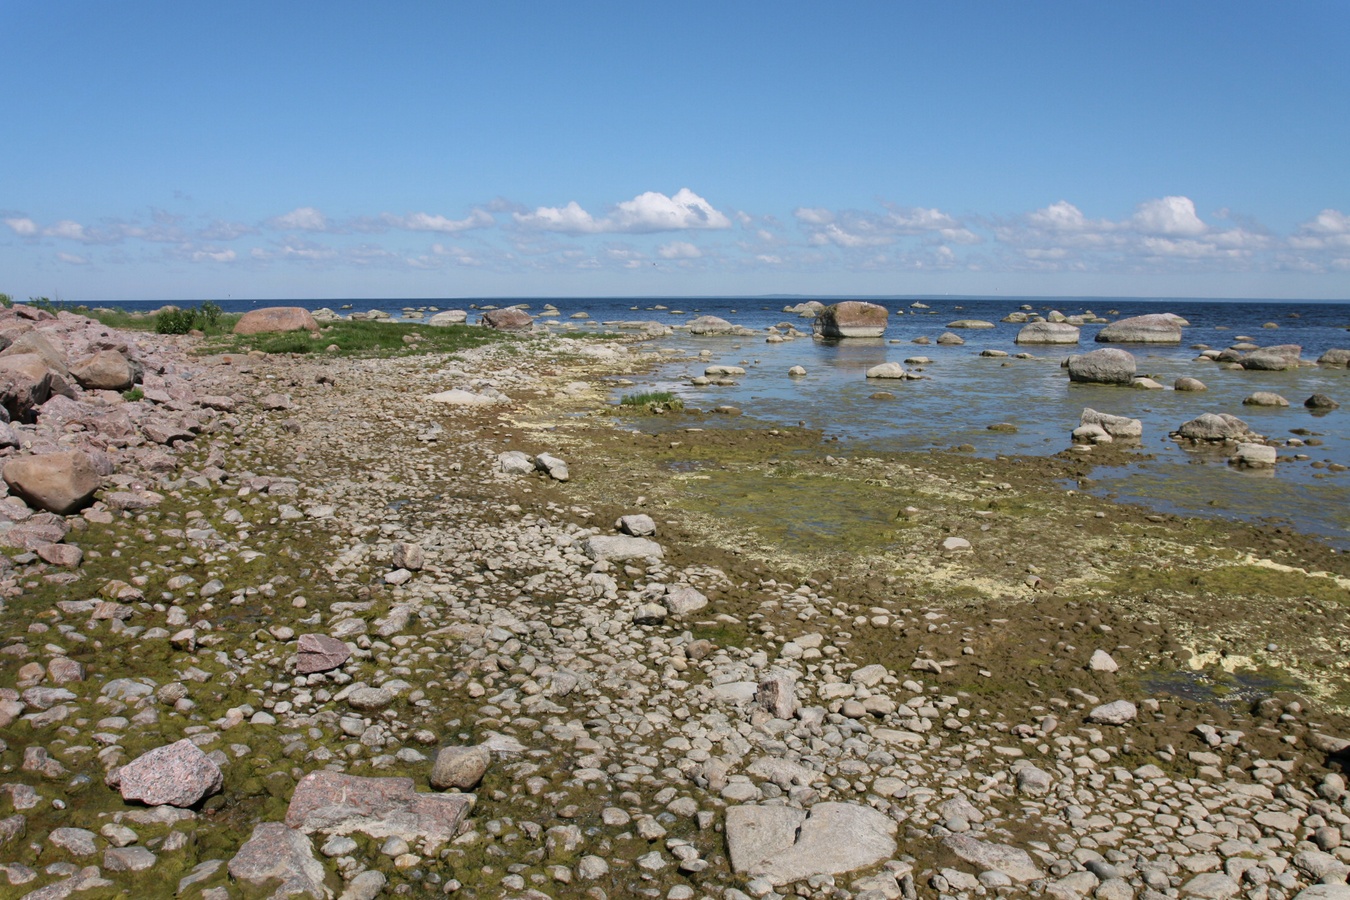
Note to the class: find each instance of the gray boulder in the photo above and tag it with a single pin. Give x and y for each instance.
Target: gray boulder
(1320, 401)
(987, 856)
(1115, 713)
(1273, 359)
(971, 323)
(1116, 426)
(617, 548)
(1155, 328)
(336, 803)
(1048, 333)
(515, 462)
(1186, 383)
(551, 465)
(852, 319)
(461, 768)
(1107, 366)
(947, 339)
(1214, 427)
(449, 317)
(1265, 398)
(509, 319)
(886, 370)
(1335, 357)
(1254, 456)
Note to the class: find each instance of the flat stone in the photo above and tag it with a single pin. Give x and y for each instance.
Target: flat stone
(1116, 713)
(618, 548)
(791, 845)
(320, 653)
(1011, 861)
(276, 853)
(128, 859)
(334, 803)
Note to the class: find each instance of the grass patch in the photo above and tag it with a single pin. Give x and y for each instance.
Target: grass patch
(652, 402)
(365, 338)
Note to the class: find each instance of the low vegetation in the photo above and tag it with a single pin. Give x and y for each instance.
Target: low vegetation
(652, 401)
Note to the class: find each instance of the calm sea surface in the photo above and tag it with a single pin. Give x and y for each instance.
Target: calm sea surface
(962, 394)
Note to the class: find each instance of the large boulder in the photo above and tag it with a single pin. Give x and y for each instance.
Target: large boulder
(276, 318)
(713, 325)
(106, 370)
(27, 380)
(1155, 328)
(61, 482)
(886, 370)
(1273, 359)
(1334, 357)
(1048, 333)
(971, 323)
(1214, 427)
(448, 317)
(509, 319)
(852, 319)
(177, 774)
(1107, 366)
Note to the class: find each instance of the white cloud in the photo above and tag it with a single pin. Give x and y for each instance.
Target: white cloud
(23, 227)
(1061, 216)
(644, 214)
(813, 215)
(1173, 216)
(72, 259)
(420, 221)
(217, 256)
(834, 234)
(72, 231)
(679, 250)
(304, 218)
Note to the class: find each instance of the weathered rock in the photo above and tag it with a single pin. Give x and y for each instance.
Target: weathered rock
(977, 324)
(320, 653)
(1264, 398)
(276, 318)
(1101, 661)
(106, 370)
(1118, 712)
(1155, 328)
(449, 317)
(1116, 426)
(515, 462)
(1107, 366)
(777, 695)
(1273, 359)
(637, 525)
(650, 614)
(509, 319)
(617, 548)
(1186, 383)
(705, 325)
(461, 768)
(75, 841)
(1320, 401)
(1254, 456)
(1214, 427)
(370, 699)
(1334, 357)
(1048, 333)
(947, 339)
(128, 859)
(26, 382)
(683, 600)
(551, 465)
(61, 482)
(275, 853)
(177, 774)
(1016, 864)
(886, 370)
(852, 319)
(408, 555)
(785, 845)
(335, 803)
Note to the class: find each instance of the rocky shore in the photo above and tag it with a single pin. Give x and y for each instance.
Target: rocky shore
(426, 626)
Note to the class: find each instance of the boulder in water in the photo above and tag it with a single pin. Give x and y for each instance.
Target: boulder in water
(852, 319)
(1155, 328)
(1048, 333)
(1108, 366)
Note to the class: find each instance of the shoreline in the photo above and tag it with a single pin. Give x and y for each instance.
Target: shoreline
(954, 692)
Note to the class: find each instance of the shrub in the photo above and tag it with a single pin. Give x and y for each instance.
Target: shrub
(181, 321)
(653, 401)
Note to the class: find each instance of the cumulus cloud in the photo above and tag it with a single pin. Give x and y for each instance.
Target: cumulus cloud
(679, 250)
(304, 218)
(813, 215)
(1169, 216)
(855, 230)
(420, 221)
(646, 213)
(22, 226)
(71, 231)
(215, 256)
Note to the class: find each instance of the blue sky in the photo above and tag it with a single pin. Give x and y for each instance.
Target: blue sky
(183, 150)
